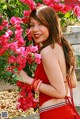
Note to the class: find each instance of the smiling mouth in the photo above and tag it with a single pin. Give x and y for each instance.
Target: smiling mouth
(36, 36)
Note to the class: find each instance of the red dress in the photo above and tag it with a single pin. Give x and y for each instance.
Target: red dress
(63, 110)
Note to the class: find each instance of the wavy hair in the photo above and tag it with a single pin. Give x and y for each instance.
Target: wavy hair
(48, 17)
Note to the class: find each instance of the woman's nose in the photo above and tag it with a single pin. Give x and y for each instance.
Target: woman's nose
(36, 28)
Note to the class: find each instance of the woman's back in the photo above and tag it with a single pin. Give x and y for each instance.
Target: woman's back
(58, 50)
(53, 54)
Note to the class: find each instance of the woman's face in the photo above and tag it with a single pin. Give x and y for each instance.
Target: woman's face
(38, 31)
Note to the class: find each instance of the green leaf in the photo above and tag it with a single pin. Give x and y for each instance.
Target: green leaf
(1, 10)
(67, 15)
(0, 20)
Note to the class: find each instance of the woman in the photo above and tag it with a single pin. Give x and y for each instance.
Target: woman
(55, 75)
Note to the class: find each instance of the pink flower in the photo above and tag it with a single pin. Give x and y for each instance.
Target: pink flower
(37, 58)
(15, 20)
(13, 46)
(6, 37)
(21, 42)
(30, 3)
(26, 87)
(2, 51)
(21, 51)
(77, 11)
(11, 69)
(19, 84)
(18, 32)
(47, 2)
(1, 27)
(30, 95)
(28, 49)
(35, 103)
(4, 23)
(25, 20)
(22, 93)
(30, 58)
(34, 48)
(9, 32)
(26, 13)
(29, 34)
(12, 59)
(21, 61)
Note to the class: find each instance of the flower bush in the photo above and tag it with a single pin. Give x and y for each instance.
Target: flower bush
(17, 51)
(13, 50)
(26, 98)
(17, 56)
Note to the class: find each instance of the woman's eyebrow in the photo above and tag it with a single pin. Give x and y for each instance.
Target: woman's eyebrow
(32, 22)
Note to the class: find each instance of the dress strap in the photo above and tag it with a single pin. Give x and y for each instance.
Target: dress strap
(59, 43)
(70, 98)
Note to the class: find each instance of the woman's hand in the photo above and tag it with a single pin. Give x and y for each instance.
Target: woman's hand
(25, 78)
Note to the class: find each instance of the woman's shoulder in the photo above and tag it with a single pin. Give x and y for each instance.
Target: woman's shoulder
(51, 50)
(47, 49)
(48, 52)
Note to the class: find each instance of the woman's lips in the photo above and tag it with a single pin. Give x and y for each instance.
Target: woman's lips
(36, 36)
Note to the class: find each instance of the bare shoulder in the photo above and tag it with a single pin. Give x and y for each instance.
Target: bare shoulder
(47, 50)
(48, 53)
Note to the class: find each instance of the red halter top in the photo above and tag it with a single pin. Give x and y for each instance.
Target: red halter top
(40, 74)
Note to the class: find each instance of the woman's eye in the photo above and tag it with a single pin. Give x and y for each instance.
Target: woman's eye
(31, 25)
(39, 24)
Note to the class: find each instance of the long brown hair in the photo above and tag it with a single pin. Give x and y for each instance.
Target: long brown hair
(48, 17)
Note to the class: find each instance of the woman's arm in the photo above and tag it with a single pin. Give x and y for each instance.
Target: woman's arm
(54, 74)
(25, 78)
